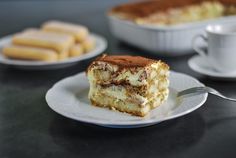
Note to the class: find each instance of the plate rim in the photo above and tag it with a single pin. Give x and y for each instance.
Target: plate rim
(134, 123)
(12, 62)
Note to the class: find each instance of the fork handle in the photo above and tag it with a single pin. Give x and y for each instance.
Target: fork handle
(192, 91)
(200, 90)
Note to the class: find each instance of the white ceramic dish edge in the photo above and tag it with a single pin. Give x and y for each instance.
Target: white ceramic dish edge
(162, 40)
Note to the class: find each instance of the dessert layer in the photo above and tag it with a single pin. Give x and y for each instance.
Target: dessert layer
(139, 73)
(120, 105)
(191, 13)
(130, 96)
(126, 61)
(147, 8)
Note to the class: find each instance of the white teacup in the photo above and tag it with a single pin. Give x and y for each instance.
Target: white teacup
(221, 50)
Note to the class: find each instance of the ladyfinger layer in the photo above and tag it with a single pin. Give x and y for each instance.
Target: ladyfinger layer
(78, 31)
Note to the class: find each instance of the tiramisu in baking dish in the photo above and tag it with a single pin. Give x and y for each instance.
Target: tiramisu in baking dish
(164, 13)
(167, 27)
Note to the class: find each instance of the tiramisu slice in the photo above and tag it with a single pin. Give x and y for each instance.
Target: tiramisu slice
(131, 84)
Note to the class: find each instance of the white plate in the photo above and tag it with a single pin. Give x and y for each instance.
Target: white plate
(101, 45)
(69, 98)
(198, 64)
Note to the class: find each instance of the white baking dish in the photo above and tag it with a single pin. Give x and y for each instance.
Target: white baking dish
(162, 40)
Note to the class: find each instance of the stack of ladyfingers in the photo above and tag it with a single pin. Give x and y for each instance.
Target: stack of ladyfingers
(54, 41)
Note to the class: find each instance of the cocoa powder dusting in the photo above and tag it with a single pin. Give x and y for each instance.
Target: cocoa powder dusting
(145, 8)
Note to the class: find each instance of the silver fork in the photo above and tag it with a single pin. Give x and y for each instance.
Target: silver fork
(200, 90)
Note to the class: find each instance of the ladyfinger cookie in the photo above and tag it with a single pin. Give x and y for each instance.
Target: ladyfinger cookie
(37, 38)
(76, 50)
(30, 53)
(78, 31)
(88, 44)
(63, 55)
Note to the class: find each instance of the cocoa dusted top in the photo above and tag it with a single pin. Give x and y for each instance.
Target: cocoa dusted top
(145, 8)
(126, 61)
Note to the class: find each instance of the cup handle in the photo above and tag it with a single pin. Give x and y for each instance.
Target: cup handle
(196, 48)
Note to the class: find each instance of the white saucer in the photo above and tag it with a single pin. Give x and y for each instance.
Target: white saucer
(69, 97)
(198, 64)
(101, 45)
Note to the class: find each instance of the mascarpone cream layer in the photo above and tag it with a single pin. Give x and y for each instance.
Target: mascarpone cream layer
(117, 92)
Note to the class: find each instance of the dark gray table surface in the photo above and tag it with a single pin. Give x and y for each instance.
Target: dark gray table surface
(29, 128)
